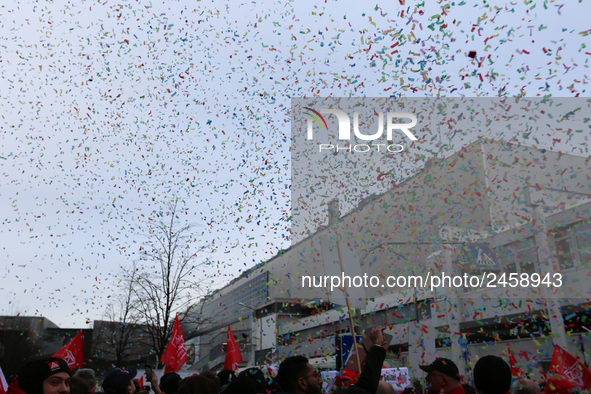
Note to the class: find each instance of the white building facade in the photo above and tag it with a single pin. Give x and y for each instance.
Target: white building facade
(492, 210)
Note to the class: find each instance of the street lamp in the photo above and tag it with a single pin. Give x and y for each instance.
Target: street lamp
(260, 330)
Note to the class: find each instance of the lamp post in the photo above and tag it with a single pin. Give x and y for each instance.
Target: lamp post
(260, 329)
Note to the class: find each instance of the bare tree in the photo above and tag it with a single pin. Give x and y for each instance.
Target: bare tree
(118, 338)
(171, 275)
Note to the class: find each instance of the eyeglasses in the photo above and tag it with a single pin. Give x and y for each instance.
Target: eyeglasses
(316, 374)
(435, 374)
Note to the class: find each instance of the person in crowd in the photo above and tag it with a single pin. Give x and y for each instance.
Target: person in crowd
(212, 376)
(78, 385)
(524, 386)
(120, 381)
(297, 376)
(225, 375)
(443, 376)
(89, 377)
(170, 382)
(257, 376)
(50, 375)
(154, 384)
(372, 367)
(198, 384)
(241, 385)
(492, 375)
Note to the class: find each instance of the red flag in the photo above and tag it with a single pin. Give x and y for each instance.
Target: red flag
(140, 381)
(233, 356)
(72, 352)
(568, 366)
(13, 388)
(175, 354)
(516, 371)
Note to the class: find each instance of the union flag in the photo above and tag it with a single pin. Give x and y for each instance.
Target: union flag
(175, 354)
(564, 364)
(71, 353)
(233, 356)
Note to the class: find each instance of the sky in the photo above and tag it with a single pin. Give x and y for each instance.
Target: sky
(111, 109)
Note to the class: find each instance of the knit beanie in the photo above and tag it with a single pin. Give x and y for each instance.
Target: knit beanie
(169, 383)
(492, 375)
(30, 377)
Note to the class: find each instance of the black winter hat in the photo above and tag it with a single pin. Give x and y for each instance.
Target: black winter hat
(30, 377)
(169, 383)
(492, 375)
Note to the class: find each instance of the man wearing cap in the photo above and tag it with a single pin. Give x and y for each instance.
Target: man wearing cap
(443, 376)
(120, 381)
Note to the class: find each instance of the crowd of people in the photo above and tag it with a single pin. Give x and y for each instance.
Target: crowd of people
(491, 375)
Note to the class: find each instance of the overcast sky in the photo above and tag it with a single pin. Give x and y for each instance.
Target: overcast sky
(110, 109)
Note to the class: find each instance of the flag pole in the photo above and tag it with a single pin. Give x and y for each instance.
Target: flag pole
(349, 310)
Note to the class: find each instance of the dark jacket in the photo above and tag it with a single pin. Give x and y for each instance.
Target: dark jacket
(371, 374)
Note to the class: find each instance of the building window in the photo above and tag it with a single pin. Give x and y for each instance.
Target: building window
(267, 356)
(421, 310)
(399, 314)
(583, 238)
(564, 243)
(519, 257)
(374, 319)
(285, 339)
(572, 249)
(573, 245)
